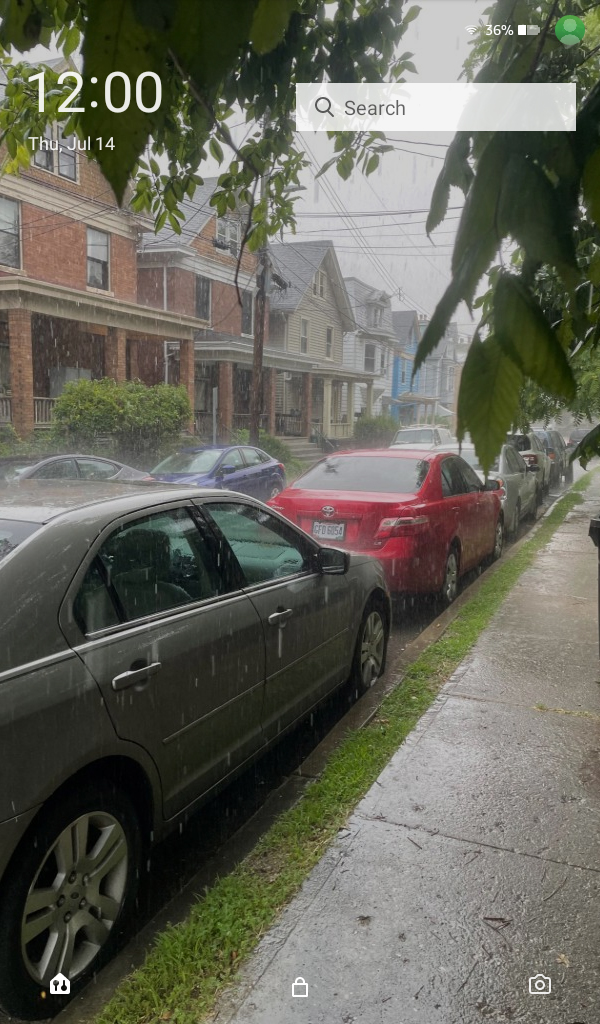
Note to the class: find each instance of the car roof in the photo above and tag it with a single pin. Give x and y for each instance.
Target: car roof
(40, 501)
(215, 447)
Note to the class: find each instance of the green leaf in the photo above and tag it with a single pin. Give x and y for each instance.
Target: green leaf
(20, 24)
(591, 186)
(115, 41)
(488, 398)
(477, 239)
(532, 212)
(216, 150)
(456, 171)
(208, 38)
(411, 14)
(270, 22)
(588, 447)
(527, 338)
(71, 41)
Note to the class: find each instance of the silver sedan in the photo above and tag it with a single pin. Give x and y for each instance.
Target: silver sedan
(520, 488)
(154, 641)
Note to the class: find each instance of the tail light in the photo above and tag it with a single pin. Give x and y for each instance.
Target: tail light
(401, 526)
(551, 453)
(501, 492)
(281, 466)
(530, 459)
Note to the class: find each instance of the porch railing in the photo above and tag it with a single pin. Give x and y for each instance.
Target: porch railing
(341, 429)
(5, 409)
(42, 411)
(288, 424)
(241, 421)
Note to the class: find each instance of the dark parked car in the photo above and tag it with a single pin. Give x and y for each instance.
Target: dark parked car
(427, 516)
(155, 641)
(65, 467)
(239, 468)
(576, 435)
(556, 450)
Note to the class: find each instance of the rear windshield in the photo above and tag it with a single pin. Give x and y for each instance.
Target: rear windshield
(417, 436)
(12, 533)
(470, 456)
(366, 473)
(189, 462)
(520, 441)
(12, 470)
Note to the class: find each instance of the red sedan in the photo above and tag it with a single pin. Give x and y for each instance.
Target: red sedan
(425, 515)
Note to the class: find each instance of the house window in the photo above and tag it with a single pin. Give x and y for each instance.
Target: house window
(304, 335)
(376, 317)
(248, 312)
(202, 297)
(329, 343)
(370, 352)
(450, 378)
(319, 284)
(97, 259)
(382, 365)
(58, 159)
(228, 234)
(10, 249)
(403, 375)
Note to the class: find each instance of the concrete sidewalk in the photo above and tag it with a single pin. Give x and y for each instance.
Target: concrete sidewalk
(474, 861)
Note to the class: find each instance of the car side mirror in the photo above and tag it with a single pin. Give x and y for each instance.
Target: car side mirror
(226, 470)
(332, 562)
(491, 485)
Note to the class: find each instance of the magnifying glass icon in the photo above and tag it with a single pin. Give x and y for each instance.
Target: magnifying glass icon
(323, 105)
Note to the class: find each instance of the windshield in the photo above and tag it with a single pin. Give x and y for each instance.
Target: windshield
(189, 462)
(12, 533)
(388, 475)
(417, 436)
(520, 441)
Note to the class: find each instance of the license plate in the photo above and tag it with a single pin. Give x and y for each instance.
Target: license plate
(329, 531)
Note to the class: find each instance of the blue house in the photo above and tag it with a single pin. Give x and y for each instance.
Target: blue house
(405, 401)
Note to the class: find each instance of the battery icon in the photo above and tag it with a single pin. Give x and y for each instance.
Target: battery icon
(528, 30)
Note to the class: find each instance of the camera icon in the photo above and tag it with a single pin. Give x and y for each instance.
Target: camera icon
(540, 985)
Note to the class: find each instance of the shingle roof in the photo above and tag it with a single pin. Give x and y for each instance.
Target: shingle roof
(361, 295)
(297, 264)
(197, 211)
(403, 320)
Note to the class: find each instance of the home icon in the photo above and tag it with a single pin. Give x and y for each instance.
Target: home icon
(60, 986)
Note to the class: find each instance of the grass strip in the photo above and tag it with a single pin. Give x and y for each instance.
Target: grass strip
(192, 963)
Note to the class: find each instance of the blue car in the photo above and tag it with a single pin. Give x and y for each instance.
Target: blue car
(233, 467)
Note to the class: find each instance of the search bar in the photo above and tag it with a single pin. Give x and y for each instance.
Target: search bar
(436, 107)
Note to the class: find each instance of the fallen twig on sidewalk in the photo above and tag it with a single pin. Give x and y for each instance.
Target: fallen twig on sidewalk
(558, 888)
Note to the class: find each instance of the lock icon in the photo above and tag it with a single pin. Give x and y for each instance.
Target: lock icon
(300, 989)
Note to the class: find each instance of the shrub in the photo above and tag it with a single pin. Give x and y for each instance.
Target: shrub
(375, 431)
(274, 447)
(133, 420)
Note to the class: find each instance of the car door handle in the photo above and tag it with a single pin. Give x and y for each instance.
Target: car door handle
(135, 675)
(280, 617)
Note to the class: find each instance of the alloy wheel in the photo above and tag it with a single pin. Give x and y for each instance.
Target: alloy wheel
(372, 648)
(450, 588)
(499, 542)
(275, 490)
(75, 898)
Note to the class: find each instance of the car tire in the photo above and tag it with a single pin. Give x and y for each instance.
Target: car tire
(539, 497)
(274, 490)
(498, 548)
(102, 817)
(370, 652)
(569, 474)
(449, 590)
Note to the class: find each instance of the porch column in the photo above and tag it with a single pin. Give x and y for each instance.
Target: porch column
(307, 404)
(21, 370)
(186, 372)
(134, 358)
(115, 354)
(326, 406)
(225, 410)
(369, 406)
(269, 386)
(350, 399)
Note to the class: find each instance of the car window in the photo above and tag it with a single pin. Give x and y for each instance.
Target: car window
(12, 532)
(265, 548)
(453, 481)
(366, 473)
(420, 435)
(151, 565)
(64, 469)
(536, 444)
(233, 458)
(520, 442)
(251, 456)
(263, 456)
(94, 469)
(514, 461)
(190, 462)
(472, 481)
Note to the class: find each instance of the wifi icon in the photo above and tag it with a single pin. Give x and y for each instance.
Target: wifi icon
(471, 29)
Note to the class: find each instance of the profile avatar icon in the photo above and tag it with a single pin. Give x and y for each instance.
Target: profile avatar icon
(570, 30)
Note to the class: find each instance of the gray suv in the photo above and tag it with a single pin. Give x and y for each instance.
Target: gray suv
(154, 641)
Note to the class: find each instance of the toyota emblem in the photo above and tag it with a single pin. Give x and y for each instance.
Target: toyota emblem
(328, 510)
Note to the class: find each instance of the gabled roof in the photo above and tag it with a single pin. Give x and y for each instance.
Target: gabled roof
(197, 212)
(296, 263)
(361, 296)
(403, 320)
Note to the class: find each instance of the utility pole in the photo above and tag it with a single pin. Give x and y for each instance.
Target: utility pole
(263, 280)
